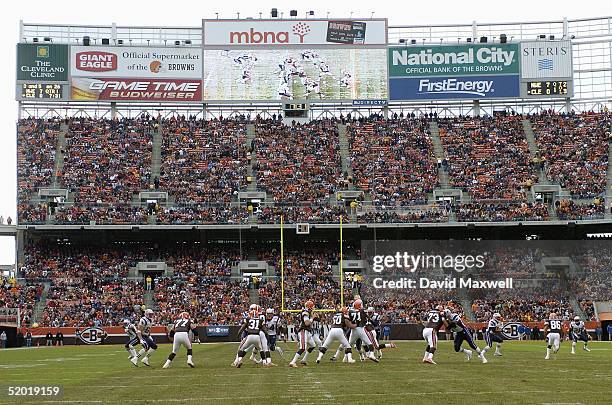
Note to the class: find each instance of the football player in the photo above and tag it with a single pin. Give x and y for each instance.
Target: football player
(372, 329)
(578, 332)
(552, 331)
(272, 324)
(144, 334)
(180, 334)
(252, 325)
(358, 316)
(432, 322)
(306, 343)
(133, 340)
(340, 321)
(462, 333)
(492, 335)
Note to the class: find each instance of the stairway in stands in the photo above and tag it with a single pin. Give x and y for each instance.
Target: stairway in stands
(344, 153)
(609, 184)
(250, 136)
(149, 300)
(533, 149)
(41, 304)
(60, 148)
(434, 134)
(156, 154)
(254, 296)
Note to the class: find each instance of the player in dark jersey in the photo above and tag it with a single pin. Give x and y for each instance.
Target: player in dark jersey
(462, 334)
(492, 334)
(340, 321)
(372, 329)
(358, 316)
(577, 331)
(306, 343)
(180, 334)
(552, 330)
(433, 321)
(253, 325)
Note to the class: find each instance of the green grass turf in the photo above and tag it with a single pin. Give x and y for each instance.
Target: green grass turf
(102, 374)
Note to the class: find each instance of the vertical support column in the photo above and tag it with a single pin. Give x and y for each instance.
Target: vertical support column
(474, 30)
(476, 109)
(113, 110)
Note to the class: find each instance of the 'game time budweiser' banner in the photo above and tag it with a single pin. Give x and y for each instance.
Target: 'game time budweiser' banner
(113, 89)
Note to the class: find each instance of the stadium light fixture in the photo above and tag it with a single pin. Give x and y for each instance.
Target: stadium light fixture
(458, 39)
(413, 41)
(293, 13)
(328, 14)
(351, 15)
(441, 39)
(177, 43)
(34, 39)
(274, 13)
(217, 14)
(372, 16)
(188, 42)
(469, 40)
(551, 37)
(238, 15)
(311, 13)
(260, 13)
(47, 39)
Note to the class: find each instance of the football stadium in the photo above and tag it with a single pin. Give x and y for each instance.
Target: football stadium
(298, 207)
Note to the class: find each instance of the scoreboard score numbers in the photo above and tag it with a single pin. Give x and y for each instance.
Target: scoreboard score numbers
(547, 88)
(41, 91)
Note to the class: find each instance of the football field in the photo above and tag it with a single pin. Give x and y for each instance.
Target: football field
(103, 374)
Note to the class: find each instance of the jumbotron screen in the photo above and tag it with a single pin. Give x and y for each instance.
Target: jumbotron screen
(295, 74)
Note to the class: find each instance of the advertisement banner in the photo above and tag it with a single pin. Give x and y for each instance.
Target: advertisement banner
(178, 63)
(455, 60)
(112, 89)
(294, 32)
(454, 87)
(295, 74)
(48, 63)
(546, 59)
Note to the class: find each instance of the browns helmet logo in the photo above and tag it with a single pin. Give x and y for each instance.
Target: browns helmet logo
(93, 336)
(155, 66)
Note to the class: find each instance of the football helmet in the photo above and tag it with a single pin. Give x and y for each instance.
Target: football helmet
(496, 315)
(370, 310)
(576, 318)
(309, 304)
(344, 310)
(358, 304)
(185, 315)
(148, 312)
(270, 311)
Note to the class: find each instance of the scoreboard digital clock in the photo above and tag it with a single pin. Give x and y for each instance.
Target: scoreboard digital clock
(547, 88)
(41, 90)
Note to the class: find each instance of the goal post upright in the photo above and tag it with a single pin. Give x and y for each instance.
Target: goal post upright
(341, 268)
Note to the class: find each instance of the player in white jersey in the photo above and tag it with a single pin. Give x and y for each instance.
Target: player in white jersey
(180, 334)
(552, 330)
(492, 334)
(144, 333)
(578, 332)
(133, 340)
(272, 324)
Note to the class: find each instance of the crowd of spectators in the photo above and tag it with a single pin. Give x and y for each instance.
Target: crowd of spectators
(24, 297)
(107, 161)
(487, 157)
(575, 150)
(298, 163)
(203, 161)
(568, 209)
(89, 301)
(393, 160)
(36, 144)
(501, 211)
